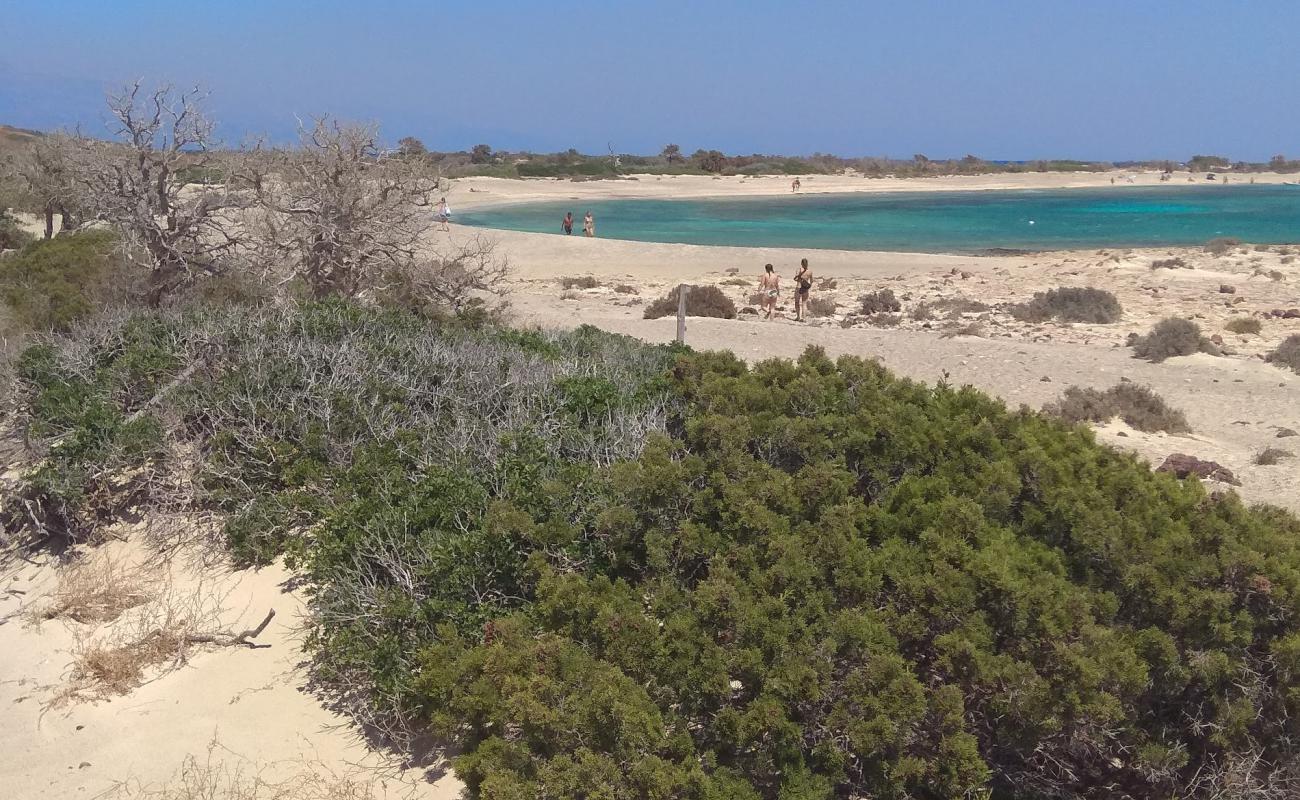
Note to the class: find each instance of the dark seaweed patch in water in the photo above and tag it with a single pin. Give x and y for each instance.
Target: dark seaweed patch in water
(1004, 251)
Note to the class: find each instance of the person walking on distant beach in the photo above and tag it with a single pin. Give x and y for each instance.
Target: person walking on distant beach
(567, 224)
(589, 225)
(443, 214)
(794, 185)
(802, 285)
(770, 285)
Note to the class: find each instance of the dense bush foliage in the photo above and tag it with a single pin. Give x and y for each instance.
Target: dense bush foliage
(1139, 406)
(701, 301)
(1175, 336)
(286, 401)
(1070, 304)
(50, 284)
(600, 576)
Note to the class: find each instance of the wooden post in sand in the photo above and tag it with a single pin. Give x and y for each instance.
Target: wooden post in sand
(682, 290)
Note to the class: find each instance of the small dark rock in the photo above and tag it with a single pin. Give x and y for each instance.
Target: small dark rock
(1283, 433)
(749, 310)
(1182, 465)
(1226, 289)
(1045, 379)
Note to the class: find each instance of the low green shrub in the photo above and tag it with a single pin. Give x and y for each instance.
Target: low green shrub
(53, 283)
(1287, 353)
(1070, 304)
(600, 569)
(1139, 406)
(701, 301)
(1171, 337)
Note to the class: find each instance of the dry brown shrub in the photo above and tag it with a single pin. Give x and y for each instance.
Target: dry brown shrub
(1287, 353)
(1173, 336)
(98, 588)
(1270, 456)
(1222, 246)
(734, 282)
(971, 329)
(1139, 407)
(624, 288)
(876, 302)
(821, 307)
(701, 301)
(579, 282)
(1244, 325)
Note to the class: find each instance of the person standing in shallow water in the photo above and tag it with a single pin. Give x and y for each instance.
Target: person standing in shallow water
(802, 286)
(567, 225)
(589, 225)
(770, 285)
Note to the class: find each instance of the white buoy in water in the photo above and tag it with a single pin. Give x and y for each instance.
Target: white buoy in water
(1031, 222)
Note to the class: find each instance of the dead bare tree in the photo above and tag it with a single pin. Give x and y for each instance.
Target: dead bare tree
(338, 214)
(136, 184)
(43, 173)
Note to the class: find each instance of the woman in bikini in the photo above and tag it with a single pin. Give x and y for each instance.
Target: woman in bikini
(589, 225)
(770, 284)
(802, 285)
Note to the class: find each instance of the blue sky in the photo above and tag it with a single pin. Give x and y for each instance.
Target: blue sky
(1015, 79)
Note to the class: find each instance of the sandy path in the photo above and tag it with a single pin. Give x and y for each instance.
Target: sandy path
(252, 703)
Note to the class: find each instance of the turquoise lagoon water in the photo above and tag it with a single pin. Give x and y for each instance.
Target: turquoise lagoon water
(936, 222)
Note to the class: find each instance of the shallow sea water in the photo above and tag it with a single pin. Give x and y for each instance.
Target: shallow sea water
(936, 222)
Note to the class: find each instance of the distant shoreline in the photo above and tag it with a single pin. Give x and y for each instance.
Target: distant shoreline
(485, 192)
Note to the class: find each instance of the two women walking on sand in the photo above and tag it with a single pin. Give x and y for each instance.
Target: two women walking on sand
(770, 287)
(588, 224)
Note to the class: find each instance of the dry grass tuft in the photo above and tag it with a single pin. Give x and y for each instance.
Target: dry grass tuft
(225, 776)
(161, 633)
(98, 589)
(734, 282)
